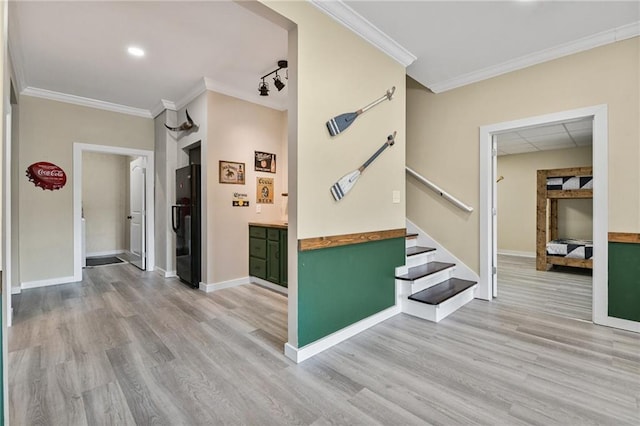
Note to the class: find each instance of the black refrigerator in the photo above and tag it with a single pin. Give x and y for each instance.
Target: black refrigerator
(185, 221)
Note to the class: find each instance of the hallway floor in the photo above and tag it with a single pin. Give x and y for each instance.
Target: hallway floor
(126, 347)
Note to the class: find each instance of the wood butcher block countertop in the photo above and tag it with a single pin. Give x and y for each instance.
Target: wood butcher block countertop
(274, 224)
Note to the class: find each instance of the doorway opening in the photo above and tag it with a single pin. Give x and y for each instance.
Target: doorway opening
(488, 288)
(139, 204)
(540, 232)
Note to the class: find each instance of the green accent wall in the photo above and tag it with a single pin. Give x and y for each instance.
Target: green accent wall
(624, 281)
(1, 366)
(339, 286)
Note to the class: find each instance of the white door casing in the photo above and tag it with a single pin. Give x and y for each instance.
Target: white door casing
(78, 149)
(137, 216)
(494, 215)
(599, 113)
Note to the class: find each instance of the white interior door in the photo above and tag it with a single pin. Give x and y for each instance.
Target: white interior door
(137, 214)
(494, 214)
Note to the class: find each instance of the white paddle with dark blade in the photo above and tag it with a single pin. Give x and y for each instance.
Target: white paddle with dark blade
(344, 185)
(341, 122)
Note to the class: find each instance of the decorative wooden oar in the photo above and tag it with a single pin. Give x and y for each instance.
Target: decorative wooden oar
(341, 122)
(344, 185)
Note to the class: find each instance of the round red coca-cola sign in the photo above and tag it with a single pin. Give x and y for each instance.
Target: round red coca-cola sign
(46, 175)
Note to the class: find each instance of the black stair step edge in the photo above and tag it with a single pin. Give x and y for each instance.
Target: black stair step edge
(421, 271)
(411, 236)
(442, 292)
(412, 251)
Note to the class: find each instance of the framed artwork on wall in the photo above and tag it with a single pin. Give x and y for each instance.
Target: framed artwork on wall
(265, 162)
(231, 172)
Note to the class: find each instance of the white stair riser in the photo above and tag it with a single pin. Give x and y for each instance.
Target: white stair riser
(436, 313)
(410, 242)
(401, 270)
(420, 259)
(431, 280)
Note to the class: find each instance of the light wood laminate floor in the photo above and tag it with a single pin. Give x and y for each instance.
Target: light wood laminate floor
(564, 291)
(126, 347)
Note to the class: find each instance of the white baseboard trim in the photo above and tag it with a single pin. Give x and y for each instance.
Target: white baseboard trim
(269, 285)
(517, 253)
(106, 253)
(166, 274)
(208, 288)
(620, 323)
(298, 355)
(44, 283)
(16, 290)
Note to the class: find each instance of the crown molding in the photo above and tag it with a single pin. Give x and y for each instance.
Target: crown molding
(162, 105)
(351, 19)
(87, 102)
(600, 39)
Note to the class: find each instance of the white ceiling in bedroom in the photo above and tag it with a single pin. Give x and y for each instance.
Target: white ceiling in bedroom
(571, 134)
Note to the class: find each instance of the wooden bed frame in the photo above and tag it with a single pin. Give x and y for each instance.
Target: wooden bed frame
(547, 216)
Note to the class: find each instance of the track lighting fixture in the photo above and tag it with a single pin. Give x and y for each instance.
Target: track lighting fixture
(263, 86)
(278, 83)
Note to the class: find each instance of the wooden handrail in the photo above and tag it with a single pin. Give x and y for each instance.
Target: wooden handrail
(453, 200)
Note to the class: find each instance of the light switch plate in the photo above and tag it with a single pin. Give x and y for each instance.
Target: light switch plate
(258, 208)
(396, 197)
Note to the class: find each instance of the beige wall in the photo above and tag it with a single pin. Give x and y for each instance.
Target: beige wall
(229, 129)
(517, 199)
(48, 130)
(339, 72)
(443, 130)
(237, 129)
(104, 202)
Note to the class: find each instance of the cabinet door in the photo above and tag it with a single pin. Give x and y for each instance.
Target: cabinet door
(273, 261)
(258, 248)
(258, 267)
(283, 258)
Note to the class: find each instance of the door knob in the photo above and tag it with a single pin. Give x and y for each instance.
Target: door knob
(129, 217)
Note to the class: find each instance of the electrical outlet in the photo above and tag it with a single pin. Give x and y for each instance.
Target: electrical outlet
(396, 197)
(258, 208)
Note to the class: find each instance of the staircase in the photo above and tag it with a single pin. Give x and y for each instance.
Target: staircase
(426, 288)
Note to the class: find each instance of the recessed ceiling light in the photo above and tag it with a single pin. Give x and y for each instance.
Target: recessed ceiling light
(135, 51)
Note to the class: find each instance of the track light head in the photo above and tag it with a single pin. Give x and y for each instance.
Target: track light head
(278, 83)
(263, 88)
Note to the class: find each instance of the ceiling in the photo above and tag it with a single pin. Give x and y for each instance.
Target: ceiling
(570, 134)
(76, 51)
(80, 48)
(461, 42)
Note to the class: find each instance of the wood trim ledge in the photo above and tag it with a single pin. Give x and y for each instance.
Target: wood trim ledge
(349, 239)
(624, 237)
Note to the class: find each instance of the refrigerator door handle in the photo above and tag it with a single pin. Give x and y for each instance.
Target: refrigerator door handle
(175, 225)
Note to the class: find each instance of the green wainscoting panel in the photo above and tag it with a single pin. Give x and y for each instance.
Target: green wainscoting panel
(2, 362)
(340, 286)
(624, 281)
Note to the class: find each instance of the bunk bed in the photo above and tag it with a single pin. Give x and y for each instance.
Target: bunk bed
(554, 185)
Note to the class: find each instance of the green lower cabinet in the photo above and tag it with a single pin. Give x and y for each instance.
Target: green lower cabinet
(268, 254)
(283, 257)
(273, 261)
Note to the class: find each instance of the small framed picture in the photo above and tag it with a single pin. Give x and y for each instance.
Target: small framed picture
(265, 162)
(231, 172)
